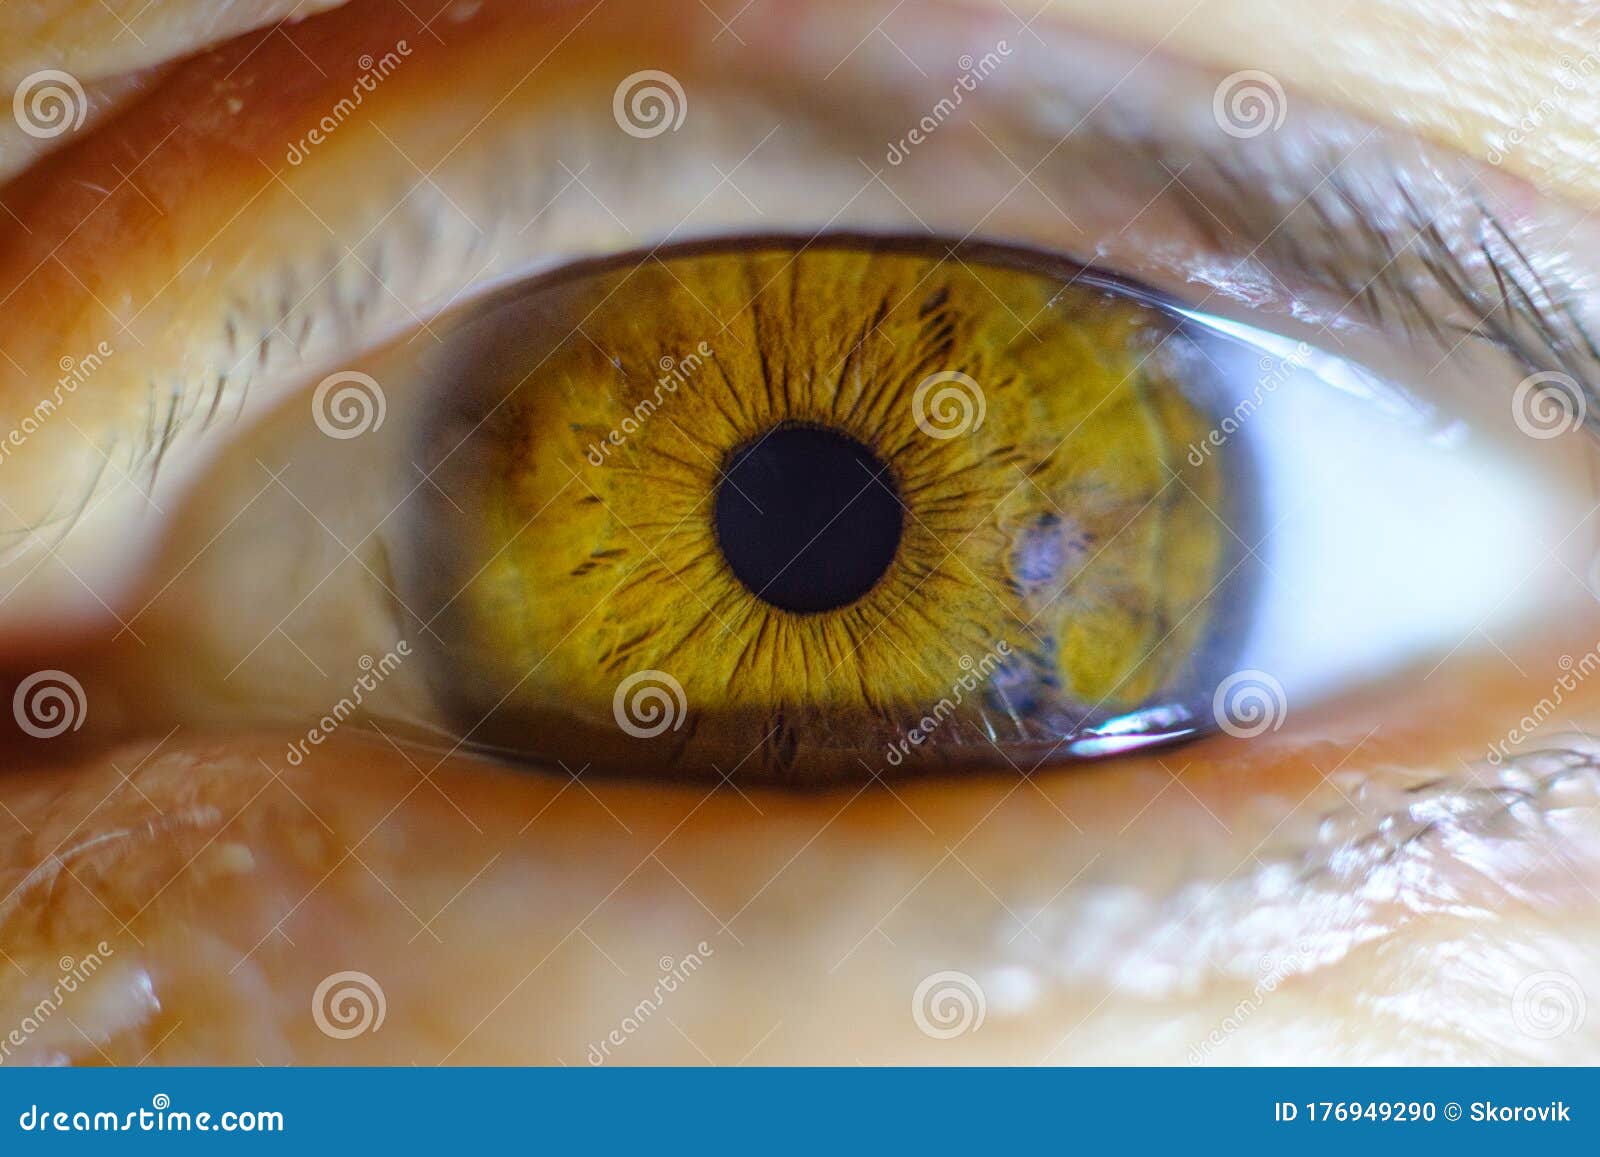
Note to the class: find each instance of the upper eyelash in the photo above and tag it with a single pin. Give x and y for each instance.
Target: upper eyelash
(1487, 275)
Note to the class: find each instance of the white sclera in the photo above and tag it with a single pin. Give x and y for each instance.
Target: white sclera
(1388, 536)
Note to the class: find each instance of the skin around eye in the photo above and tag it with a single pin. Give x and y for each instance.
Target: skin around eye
(1109, 915)
(806, 496)
(1358, 887)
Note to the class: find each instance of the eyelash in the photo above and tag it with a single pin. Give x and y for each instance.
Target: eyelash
(1504, 301)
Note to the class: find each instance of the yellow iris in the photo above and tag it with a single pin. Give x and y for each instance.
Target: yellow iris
(1050, 560)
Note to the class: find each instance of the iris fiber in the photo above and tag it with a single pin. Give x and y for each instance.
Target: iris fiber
(1031, 433)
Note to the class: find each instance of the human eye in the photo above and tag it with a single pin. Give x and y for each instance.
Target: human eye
(689, 513)
(669, 413)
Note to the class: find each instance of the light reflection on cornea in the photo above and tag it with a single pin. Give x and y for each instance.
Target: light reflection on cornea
(1340, 373)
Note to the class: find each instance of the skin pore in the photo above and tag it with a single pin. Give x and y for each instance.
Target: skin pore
(1359, 886)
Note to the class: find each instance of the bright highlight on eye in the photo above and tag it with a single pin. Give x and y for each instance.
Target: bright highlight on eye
(834, 495)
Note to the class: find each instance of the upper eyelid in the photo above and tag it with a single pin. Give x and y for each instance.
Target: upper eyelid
(161, 412)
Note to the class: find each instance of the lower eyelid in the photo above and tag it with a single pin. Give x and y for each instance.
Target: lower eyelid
(1071, 925)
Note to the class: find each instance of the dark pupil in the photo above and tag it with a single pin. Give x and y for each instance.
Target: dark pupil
(807, 518)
